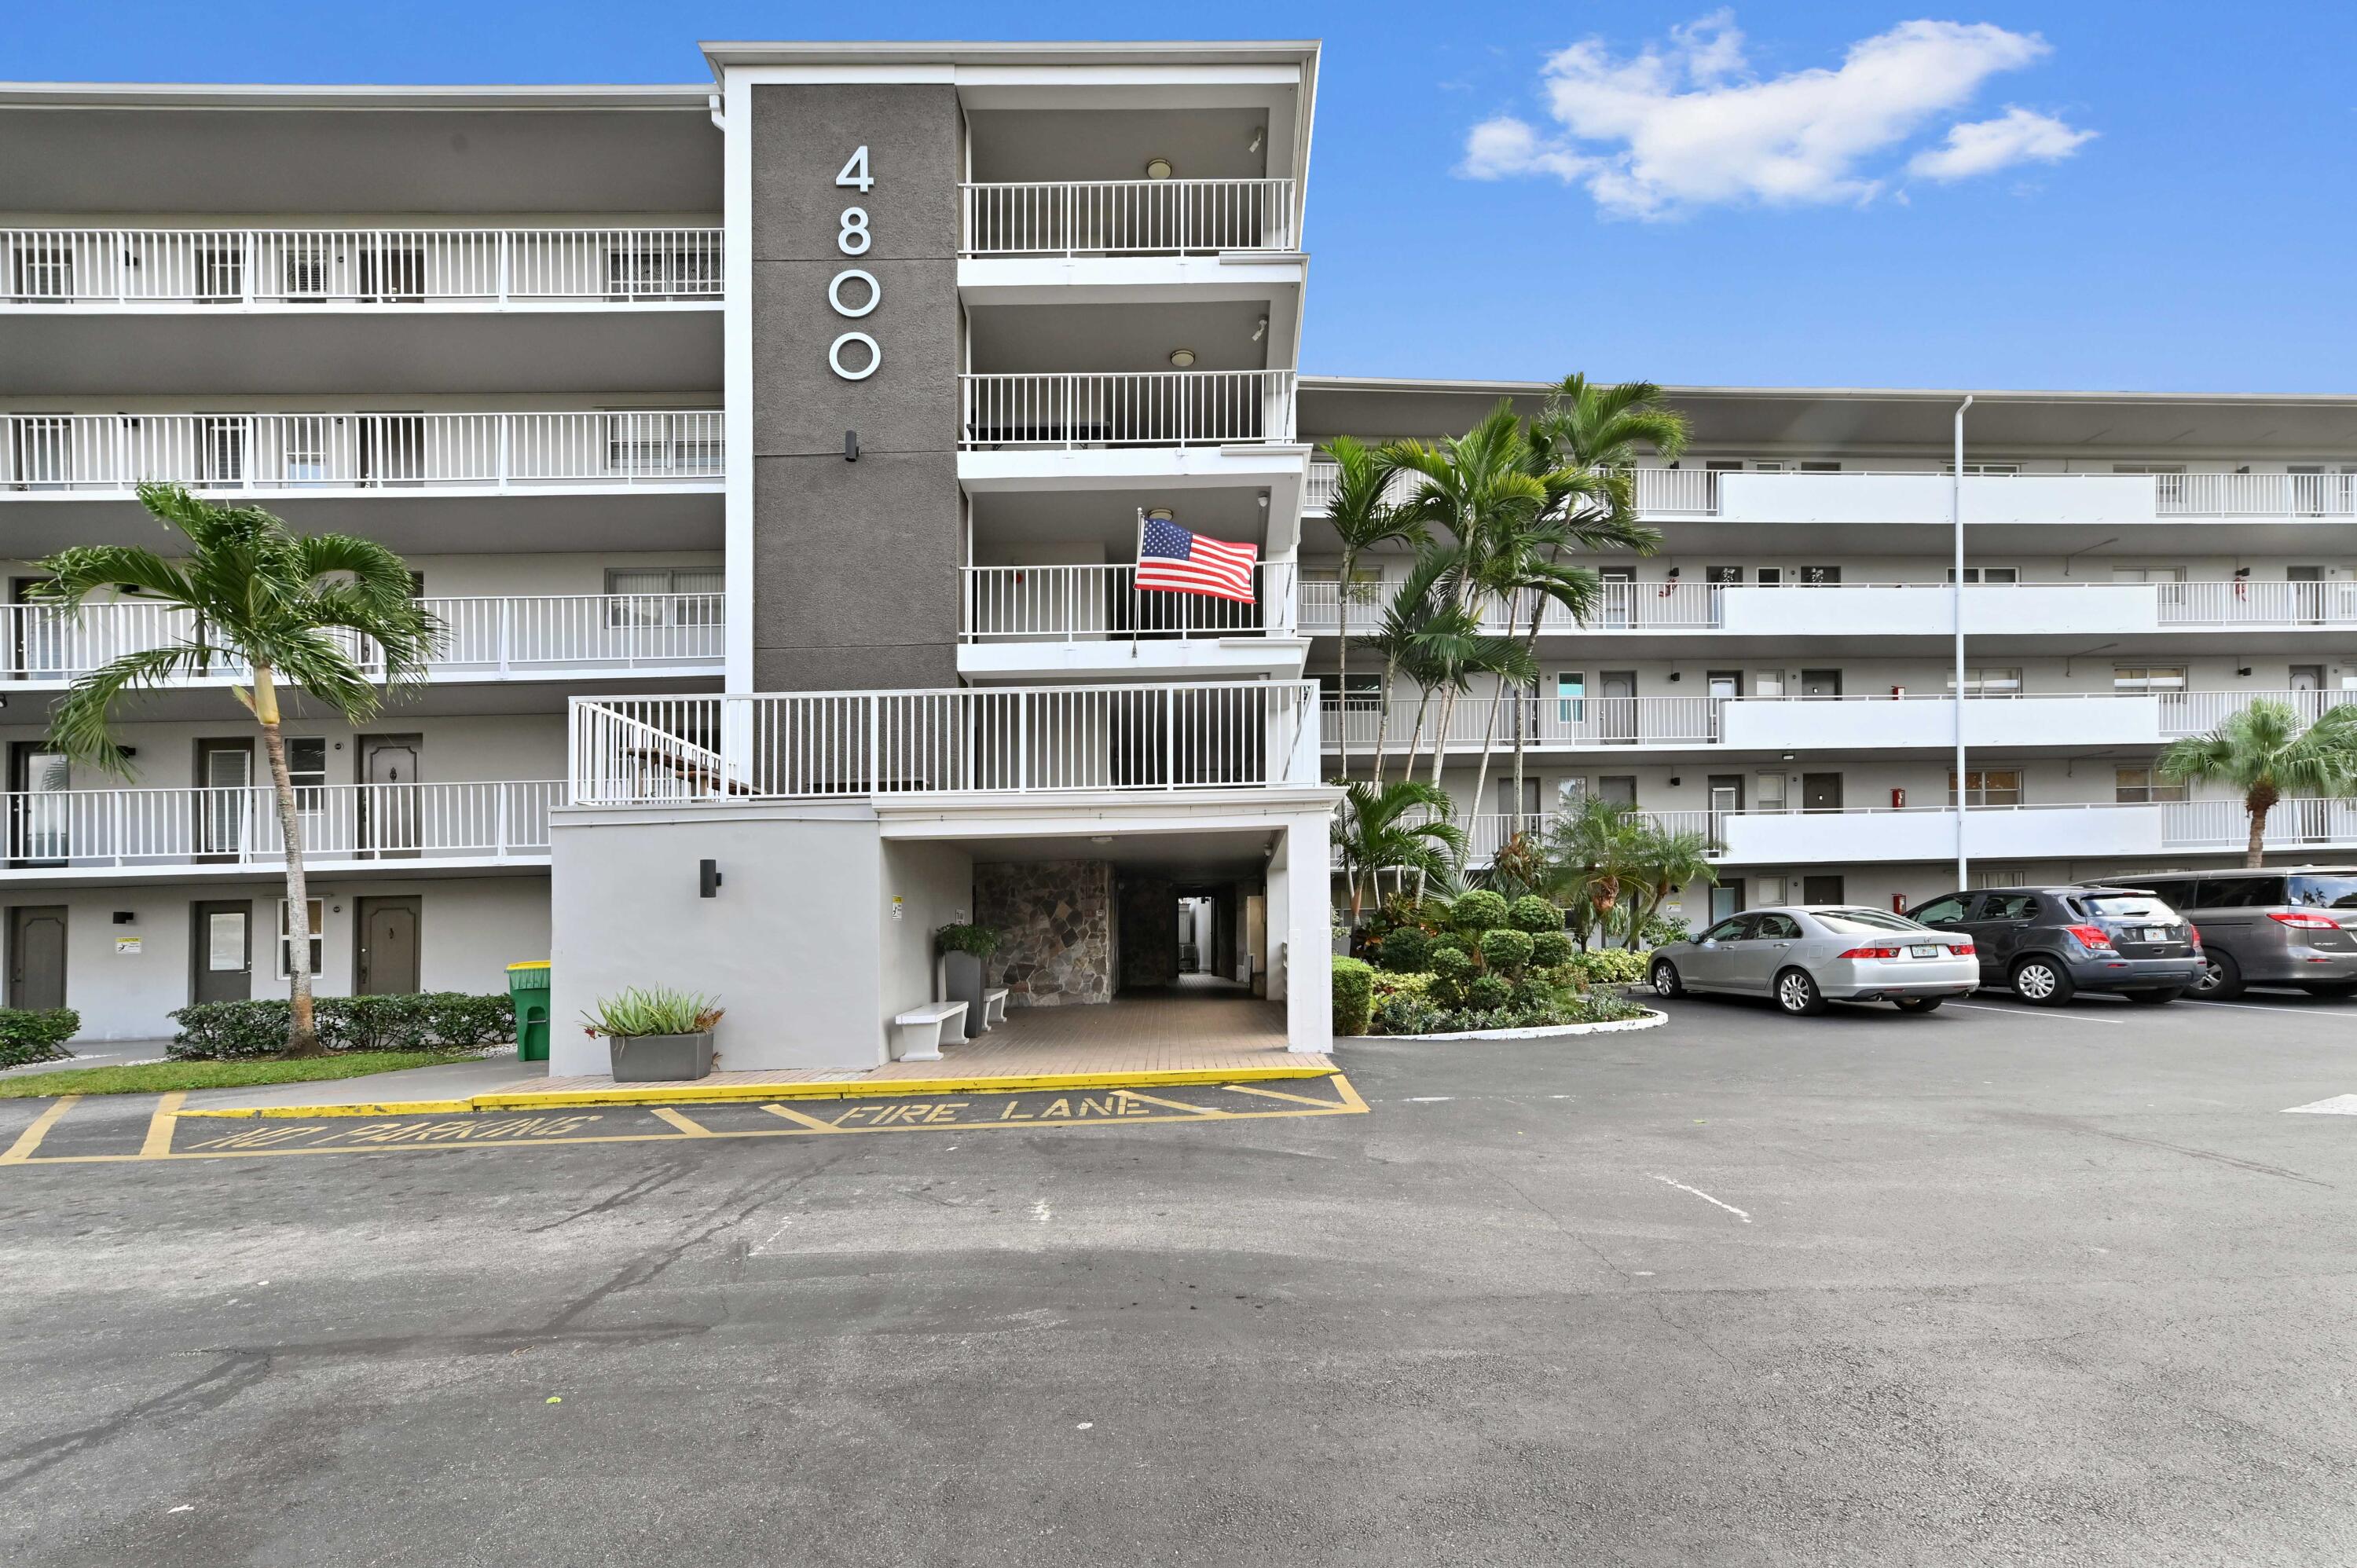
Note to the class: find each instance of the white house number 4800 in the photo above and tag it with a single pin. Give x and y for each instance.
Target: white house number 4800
(852, 238)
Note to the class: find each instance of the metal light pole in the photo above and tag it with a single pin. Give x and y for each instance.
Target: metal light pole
(1956, 601)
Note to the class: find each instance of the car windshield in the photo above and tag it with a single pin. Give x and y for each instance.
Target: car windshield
(2127, 907)
(2324, 892)
(1848, 922)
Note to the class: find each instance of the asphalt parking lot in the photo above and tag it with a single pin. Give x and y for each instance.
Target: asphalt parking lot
(1991, 1284)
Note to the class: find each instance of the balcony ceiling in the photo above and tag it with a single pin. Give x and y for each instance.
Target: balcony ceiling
(80, 157)
(1833, 421)
(1229, 856)
(1038, 528)
(1106, 144)
(1011, 338)
(215, 355)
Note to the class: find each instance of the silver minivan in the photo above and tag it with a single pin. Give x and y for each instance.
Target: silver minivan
(2293, 926)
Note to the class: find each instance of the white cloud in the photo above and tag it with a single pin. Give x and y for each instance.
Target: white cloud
(1687, 124)
(1984, 146)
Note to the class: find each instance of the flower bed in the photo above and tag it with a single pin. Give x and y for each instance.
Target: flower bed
(1481, 964)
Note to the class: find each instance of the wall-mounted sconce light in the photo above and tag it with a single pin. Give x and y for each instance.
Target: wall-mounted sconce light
(707, 879)
(851, 446)
(1260, 330)
(1260, 133)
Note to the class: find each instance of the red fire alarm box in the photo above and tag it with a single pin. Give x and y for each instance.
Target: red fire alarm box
(1897, 799)
(1899, 903)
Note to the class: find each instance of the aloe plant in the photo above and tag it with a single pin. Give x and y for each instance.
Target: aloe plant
(635, 1013)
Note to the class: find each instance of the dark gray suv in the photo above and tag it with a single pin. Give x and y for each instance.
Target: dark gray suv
(2047, 944)
(2295, 926)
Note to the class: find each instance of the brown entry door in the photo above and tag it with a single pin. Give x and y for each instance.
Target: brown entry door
(389, 826)
(1821, 791)
(223, 948)
(388, 955)
(36, 956)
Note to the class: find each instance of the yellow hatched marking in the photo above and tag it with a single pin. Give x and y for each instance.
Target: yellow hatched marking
(692, 1128)
(1204, 1111)
(30, 1138)
(802, 1118)
(1274, 1094)
(160, 1125)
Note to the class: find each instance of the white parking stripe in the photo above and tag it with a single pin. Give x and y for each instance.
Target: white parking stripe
(2263, 1007)
(2021, 1012)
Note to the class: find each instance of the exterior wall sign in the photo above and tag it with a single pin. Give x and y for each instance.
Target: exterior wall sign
(852, 238)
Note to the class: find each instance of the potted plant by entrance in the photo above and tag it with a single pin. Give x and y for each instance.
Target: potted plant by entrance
(965, 949)
(656, 1034)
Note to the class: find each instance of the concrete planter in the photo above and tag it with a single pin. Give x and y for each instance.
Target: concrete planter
(1651, 1020)
(660, 1058)
(962, 977)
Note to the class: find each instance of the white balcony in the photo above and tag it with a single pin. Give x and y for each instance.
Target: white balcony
(973, 742)
(1128, 217)
(55, 455)
(1088, 410)
(380, 828)
(2054, 724)
(1861, 497)
(1083, 620)
(519, 637)
(148, 269)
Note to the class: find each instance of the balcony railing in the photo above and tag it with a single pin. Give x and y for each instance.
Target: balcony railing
(339, 823)
(1141, 408)
(868, 744)
(1103, 603)
(484, 638)
(47, 454)
(1876, 721)
(1703, 607)
(1128, 217)
(359, 266)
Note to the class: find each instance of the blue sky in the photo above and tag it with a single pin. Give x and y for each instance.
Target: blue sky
(2171, 207)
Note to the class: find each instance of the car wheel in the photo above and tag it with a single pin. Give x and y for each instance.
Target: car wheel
(1797, 994)
(2332, 988)
(1666, 980)
(2165, 994)
(1919, 1003)
(2042, 982)
(2221, 978)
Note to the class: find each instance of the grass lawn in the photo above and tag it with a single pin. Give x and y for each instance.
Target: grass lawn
(157, 1078)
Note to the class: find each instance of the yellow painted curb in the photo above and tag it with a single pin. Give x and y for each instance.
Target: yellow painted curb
(719, 1093)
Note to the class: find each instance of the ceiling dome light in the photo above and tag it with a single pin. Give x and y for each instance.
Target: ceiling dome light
(1159, 515)
(1159, 168)
(1182, 358)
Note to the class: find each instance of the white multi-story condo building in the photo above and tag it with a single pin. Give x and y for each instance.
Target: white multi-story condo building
(1781, 675)
(775, 453)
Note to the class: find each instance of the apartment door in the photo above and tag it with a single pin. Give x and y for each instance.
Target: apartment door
(39, 831)
(1768, 792)
(1725, 800)
(1617, 717)
(2308, 677)
(1726, 683)
(1620, 788)
(392, 273)
(35, 634)
(2306, 592)
(1726, 899)
(225, 798)
(36, 956)
(393, 449)
(223, 947)
(1517, 813)
(1824, 888)
(1821, 791)
(387, 962)
(1820, 682)
(388, 828)
(1619, 607)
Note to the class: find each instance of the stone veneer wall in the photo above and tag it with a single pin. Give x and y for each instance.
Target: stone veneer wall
(1055, 929)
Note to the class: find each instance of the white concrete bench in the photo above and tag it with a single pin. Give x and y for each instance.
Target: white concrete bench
(994, 1008)
(917, 1033)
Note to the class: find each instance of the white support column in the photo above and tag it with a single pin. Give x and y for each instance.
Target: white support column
(1301, 932)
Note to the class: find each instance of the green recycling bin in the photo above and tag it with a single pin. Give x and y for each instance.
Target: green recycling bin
(528, 985)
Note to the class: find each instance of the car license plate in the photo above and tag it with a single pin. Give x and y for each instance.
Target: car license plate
(1923, 952)
(2156, 933)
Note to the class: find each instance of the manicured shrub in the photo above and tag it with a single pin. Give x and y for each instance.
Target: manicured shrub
(35, 1036)
(1477, 911)
(1549, 949)
(979, 940)
(1610, 966)
(443, 1019)
(1354, 995)
(1451, 971)
(1506, 952)
(1450, 941)
(1534, 914)
(1409, 1015)
(1488, 990)
(1405, 950)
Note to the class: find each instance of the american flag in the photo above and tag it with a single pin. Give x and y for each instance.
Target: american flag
(1172, 561)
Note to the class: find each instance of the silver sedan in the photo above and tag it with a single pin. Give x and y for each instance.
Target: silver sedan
(1807, 955)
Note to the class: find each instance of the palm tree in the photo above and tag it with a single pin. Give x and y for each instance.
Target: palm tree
(1363, 518)
(2263, 753)
(1526, 564)
(291, 609)
(1376, 835)
(1670, 859)
(1595, 848)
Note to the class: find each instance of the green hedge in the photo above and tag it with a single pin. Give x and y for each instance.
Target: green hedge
(1610, 966)
(1354, 995)
(446, 1020)
(27, 1038)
